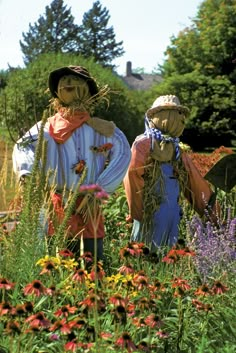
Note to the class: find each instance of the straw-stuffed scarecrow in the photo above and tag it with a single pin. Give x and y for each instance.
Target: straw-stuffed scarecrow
(158, 172)
(77, 146)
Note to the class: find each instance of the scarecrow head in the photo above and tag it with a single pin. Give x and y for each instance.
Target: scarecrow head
(168, 115)
(73, 87)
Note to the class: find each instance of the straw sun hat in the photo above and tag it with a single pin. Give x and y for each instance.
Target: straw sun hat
(170, 102)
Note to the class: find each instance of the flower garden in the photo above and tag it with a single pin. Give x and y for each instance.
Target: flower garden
(181, 299)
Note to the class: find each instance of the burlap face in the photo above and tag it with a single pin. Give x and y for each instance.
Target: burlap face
(168, 121)
(73, 89)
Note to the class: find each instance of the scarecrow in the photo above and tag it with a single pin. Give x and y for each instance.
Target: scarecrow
(77, 145)
(159, 171)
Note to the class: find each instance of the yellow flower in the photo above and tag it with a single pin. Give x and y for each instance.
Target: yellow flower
(114, 278)
(42, 262)
(69, 263)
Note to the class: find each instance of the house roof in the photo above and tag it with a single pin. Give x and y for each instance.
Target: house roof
(140, 82)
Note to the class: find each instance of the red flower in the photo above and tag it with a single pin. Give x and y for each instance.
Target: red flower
(66, 253)
(36, 288)
(171, 257)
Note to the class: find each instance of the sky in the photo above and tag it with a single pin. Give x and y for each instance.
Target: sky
(144, 26)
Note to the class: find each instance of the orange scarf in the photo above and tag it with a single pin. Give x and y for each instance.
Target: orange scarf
(61, 129)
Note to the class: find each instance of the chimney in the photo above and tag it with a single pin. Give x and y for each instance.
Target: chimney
(128, 68)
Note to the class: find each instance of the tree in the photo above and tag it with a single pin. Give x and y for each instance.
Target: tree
(26, 95)
(53, 33)
(200, 61)
(97, 40)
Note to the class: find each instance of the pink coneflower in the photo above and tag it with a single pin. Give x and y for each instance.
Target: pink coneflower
(125, 342)
(48, 267)
(38, 320)
(12, 328)
(80, 276)
(171, 257)
(36, 288)
(87, 257)
(126, 269)
(90, 301)
(120, 315)
(18, 310)
(5, 284)
(219, 288)
(65, 310)
(143, 347)
(181, 283)
(29, 307)
(71, 346)
(117, 299)
(162, 334)
(62, 326)
(139, 322)
(179, 292)
(97, 272)
(203, 290)
(140, 281)
(201, 306)
(78, 322)
(153, 320)
(66, 253)
(132, 249)
(5, 308)
(52, 290)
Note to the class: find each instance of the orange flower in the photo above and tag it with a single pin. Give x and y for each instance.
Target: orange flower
(201, 306)
(203, 290)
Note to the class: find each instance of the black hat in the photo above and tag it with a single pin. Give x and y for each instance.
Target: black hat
(80, 71)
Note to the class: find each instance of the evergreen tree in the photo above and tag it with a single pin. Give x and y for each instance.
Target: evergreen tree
(97, 40)
(53, 33)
